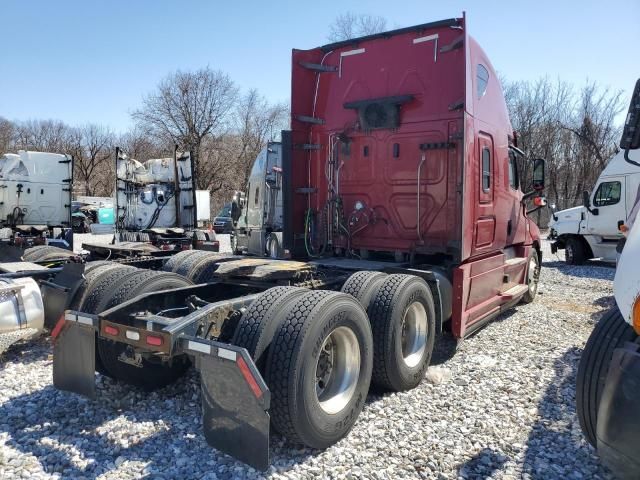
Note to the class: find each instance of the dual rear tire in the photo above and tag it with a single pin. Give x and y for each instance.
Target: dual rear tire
(107, 285)
(318, 351)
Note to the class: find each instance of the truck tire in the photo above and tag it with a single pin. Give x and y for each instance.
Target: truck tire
(273, 247)
(91, 271)
(57, 255)
(152, 373)
(37, 254)
(610, 333)
(175, 260)
(574, 252)
(402, 317)
(188, 262)
(103, 286)
(200, 265)
(363, 286)
(533, 277)
(30, 254)
(262, 319)
(319, 368)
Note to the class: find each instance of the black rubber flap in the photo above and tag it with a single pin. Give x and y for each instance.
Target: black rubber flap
(74, 359)
(235, 419)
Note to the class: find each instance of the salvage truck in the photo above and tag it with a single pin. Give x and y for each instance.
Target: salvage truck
(35, 199)
(608, 380)
(157, 208)
(403, 216)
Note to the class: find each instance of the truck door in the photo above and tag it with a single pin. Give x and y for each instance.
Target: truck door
(515, 225)
(485, 227)
(608, 199)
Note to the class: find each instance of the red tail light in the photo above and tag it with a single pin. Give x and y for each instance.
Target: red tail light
(153, 340)
(109, 330)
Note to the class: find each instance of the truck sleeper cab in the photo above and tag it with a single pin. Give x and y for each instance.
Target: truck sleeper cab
(157, 208)
(403, 216)
(258, 223)
(35, 199)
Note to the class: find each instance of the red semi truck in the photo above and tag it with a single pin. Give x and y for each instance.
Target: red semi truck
(403, 216)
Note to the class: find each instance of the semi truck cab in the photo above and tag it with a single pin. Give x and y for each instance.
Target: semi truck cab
(258, 210)
(592, 229)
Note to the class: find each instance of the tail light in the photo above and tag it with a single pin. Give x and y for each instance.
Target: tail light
(153, 340)
(109, 330)
(635, 316)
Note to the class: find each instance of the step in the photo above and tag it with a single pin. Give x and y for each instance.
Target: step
(515, 291)
(515, 261)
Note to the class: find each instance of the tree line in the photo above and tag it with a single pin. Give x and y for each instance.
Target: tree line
(200, 111)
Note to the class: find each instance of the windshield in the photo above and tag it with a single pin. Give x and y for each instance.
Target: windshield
(225, 211)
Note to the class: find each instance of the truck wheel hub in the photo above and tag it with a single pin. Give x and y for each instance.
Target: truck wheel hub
(414, 334)
(337, 370)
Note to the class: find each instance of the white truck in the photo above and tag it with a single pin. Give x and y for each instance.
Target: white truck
(35, 199)
(608, 380)
(592, 230)
(157, 208)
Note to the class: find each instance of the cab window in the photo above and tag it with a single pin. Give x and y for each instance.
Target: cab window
(482, 80)
(513, 171)
(486, 169)
(608, 193)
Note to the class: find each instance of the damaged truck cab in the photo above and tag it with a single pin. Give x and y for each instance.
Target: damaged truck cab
(403, 216)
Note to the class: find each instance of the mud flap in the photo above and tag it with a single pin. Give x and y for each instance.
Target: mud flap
(235, 404)
(74, 359)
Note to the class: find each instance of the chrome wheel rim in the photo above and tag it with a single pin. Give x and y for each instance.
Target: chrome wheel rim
(337, 370)
(534, 275)
(273, 250)
(414, 334)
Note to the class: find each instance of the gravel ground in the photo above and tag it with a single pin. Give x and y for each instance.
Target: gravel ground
(504, 408)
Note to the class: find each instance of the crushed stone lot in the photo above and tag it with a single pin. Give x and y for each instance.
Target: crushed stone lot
(502, 407)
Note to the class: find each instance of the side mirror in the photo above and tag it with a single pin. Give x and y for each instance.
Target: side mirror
(538, 174)
(235, 211)
(631, 132)
(586, 200)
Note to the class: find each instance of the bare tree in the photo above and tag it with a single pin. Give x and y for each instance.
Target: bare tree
(352, 25)
(257, 122)
(575, 132)
(142, 146)
(6, 135)
(41, 135)
(186, 108)
(92, 149)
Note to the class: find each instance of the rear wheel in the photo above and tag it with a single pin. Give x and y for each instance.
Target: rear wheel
(262, 319)
(574, 251)
(174, 262)
(273, 246)
(610, 333)
(402, 319)
(319, 368)
(120, 360)
(363, 285)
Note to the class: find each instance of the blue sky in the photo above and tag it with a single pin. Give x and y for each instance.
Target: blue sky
(92, 61)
